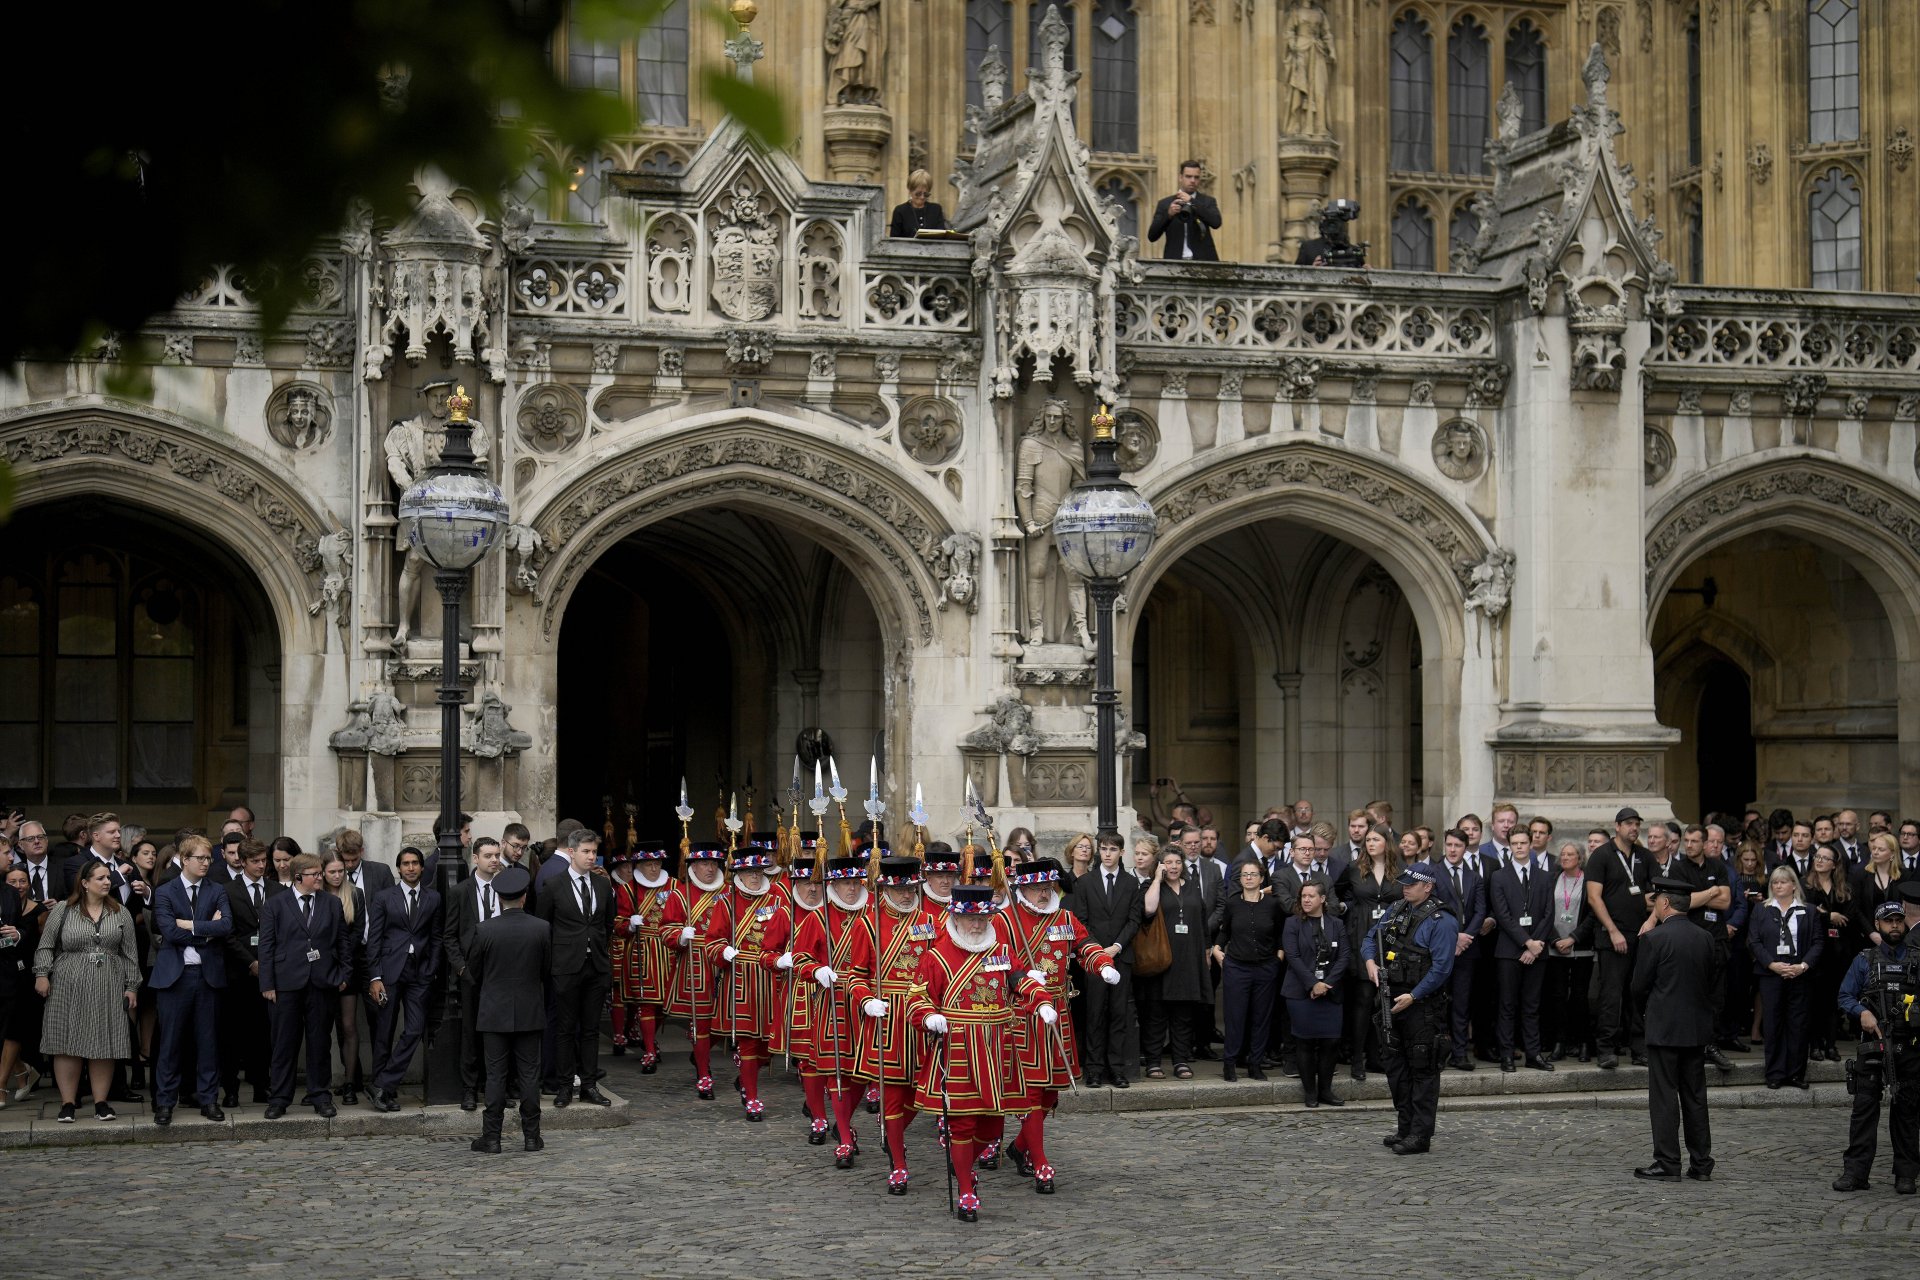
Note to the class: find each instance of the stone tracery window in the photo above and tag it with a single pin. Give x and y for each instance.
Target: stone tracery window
(1412, 237)
(1469, 104)
(660, 67)
(1527, 73)
(1833, 209)
(1693, 88)
(989, 26)
(591, 64)
(1833, 71)
(1461, 234)
(1410, 78)
(1116, 77)
(1125, 198)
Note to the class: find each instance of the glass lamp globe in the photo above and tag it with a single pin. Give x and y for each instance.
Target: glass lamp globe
(452, 517)
(1104, 529)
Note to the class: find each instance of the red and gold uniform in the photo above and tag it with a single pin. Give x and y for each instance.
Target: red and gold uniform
(794, 1034)
(1045, 939)
(623, 998)
(746, 933)
(696, 983)
(654, 961)
(823, 952)
(884, 965)
(970, 993)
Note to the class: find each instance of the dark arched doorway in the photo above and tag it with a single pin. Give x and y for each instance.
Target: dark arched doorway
(1723, 737)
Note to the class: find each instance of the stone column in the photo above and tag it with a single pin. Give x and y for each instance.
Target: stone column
(855, 136)
(1289, 682)
(1306, 173)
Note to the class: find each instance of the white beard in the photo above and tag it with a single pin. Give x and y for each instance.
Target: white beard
(985, 944)
(1052, 904)
(659, 878)
(857, 905)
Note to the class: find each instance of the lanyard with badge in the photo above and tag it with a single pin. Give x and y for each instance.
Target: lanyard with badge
(1179, 922)
(1626, 865)
(1526, 895)
(1785, 946)
(306, 927)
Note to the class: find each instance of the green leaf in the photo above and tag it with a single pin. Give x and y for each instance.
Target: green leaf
(758, 110)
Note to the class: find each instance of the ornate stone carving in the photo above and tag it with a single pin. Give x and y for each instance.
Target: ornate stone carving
(930, 429)
(1173, 382)
(959, 359)
(746, 252)
(1232, 382)
(386, 722)
(818, 267)
(1139, 438)
(1857, 404)
(1606, 29)
(1049, 462)
(886, 367)
(229, 476)
(1299, 377)
(552, 417)
(1599, 361)
(1487, 385)
(856, 46)
(670, 362)
(486, 733)
(670, 245)
(1009, 729)
(958, 584)
(299, 415)
(1554, 773)
(993, 79)
(1460, 450)
(1760, 162)
(433, 282)
(749, 350)
(1900, 148)
(329, 344)
(1658, 454)
(527, 550)
(1309, 65)
(336, 577)
(606, 357)
(823, 366)
(1490, 584)
(1801, 395)
(248, 349)
(1421, 392)
(1906, 408)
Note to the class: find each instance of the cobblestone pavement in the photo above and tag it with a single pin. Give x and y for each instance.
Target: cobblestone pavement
(691, 1189)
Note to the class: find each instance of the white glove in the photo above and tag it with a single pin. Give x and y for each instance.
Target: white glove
(1037, 976)
(875, 1008)
(729, 953)
(936, 1023)
(784, 962)
(825, 977)
(1049, 1015)
(633, 923)
(686, 935)
(1110, 976)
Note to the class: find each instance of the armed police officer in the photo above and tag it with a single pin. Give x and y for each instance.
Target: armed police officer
(1880, 990)
(1409, 955)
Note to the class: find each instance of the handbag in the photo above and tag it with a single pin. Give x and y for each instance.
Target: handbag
(1152, 953)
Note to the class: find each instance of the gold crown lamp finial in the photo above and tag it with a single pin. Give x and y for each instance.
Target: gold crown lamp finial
(744, 12)
(1103, 424)
(457, 405)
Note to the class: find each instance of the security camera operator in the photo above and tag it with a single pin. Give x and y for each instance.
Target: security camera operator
(1332, 247)
(1879, 990)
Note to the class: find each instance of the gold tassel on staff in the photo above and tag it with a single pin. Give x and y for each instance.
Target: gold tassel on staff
(684, 812)
(606, 830)
(839, 794)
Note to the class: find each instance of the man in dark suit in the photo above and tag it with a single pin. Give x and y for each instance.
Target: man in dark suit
(1107, 902)
(1465, 896)
(511, 957)
(579, 907)
(306, 954)
(1674, 974)
(189, 971)
(103, 845)
(370, 878)
(1522, 898)
(244, 1032)
(47, 877)
(475, 900)
(1187, 219)
(403, 954)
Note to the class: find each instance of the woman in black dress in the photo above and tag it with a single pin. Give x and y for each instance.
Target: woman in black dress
(918, 213)
(1875, 883)
(1372, 887)
(1316, 956)
(1828, 893)
(1247, 946)
(353, 901)
(1187, 983)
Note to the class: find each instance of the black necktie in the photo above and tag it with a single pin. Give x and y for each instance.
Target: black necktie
(411, 900)
(1523, 879)
(256, 901)
(1109, 882)
(586, 896)
(486, 902)
(1459, 891)
(193, 900)
(306, 908)
(39, 886)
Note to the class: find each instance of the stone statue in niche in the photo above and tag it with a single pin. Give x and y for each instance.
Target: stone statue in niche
(1460, 450)
(336, 563)
(1309, 46)
(408, 457)
(958, 552)
(387, 722)
(298, 415)
(486, 732)
(856, 53)
(1050, 461)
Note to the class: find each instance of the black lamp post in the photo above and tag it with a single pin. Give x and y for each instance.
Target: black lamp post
(1104, 529)
(452, 515)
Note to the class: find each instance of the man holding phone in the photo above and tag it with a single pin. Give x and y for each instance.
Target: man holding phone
(1188, 219)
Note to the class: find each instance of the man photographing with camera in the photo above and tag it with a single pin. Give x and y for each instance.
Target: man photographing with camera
(1333, 247)
(1187, 219)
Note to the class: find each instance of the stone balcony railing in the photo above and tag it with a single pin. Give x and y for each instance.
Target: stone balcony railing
(1870, 341)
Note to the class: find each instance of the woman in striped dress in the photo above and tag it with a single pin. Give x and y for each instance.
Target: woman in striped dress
(88, 970)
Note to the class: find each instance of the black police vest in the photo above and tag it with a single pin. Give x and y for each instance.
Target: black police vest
(1406, 961)
(1891, 990)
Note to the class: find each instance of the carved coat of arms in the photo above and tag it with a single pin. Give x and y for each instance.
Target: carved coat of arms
(746, 256)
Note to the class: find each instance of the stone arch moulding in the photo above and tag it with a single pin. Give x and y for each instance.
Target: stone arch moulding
(215, 485)
(1713, 634)
(856, 503)
(1876, 526)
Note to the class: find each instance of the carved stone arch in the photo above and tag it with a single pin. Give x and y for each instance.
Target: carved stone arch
(1711, 634)
(672, 253)
(215, 485)
(887, 530)
(1873, 524)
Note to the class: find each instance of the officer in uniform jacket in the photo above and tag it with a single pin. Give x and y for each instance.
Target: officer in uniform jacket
(1409, 956)
(1674, 974)
(1523, 912)
(511, 957)
(1880, 981)
(403, 955)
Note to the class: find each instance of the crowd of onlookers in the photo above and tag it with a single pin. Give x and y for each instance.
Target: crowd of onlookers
(1246, 950)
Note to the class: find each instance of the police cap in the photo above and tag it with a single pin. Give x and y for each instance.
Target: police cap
(513, 883)
(1671, 884)
(1910, 892)
(1888, 910)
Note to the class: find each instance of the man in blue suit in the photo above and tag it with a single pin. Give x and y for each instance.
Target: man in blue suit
(1465, 895)
(189, 970)
(305, 955)
(403, 954)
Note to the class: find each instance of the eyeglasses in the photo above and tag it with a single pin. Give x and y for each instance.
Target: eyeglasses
(199, 857)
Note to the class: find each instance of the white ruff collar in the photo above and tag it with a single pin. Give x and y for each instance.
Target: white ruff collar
(659, 879)
(942, 898)
(985, 944)
(765, 885)
(1053, 903)
(718, 883)
(857, 906)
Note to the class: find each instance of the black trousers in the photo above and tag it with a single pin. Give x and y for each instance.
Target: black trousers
(1249, 992)
(1104, 1050)
(1520, 987)
(1616, 1014)
(513, 1055)
(1677, 1098)
(246, 1034)
(1783, 1023)
(405, 1012)
(473, 1063)
(1903, 1126)
(1171, 1030)
(1485, 1014)
(1736, 1014)
(578, 998)
(1362, 1015)
(187, 1024)
(1460, 988)
(306, 1013)
(1413, 1067)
